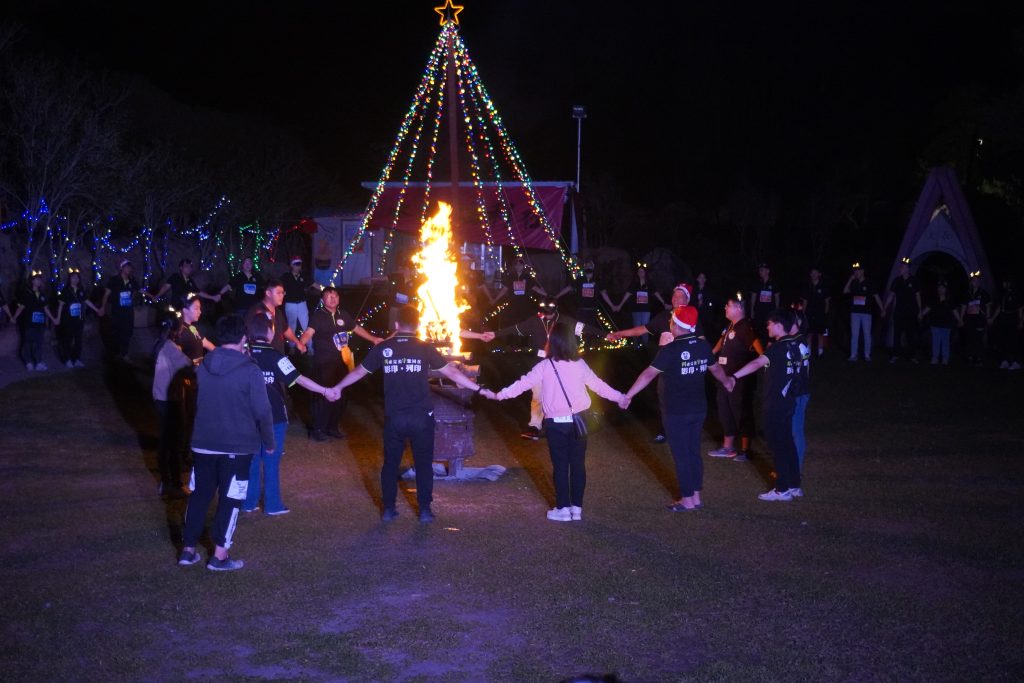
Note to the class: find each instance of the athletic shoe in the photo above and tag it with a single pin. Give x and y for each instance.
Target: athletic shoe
(225, 565)
(560, 515)
(275, 513)
(796, 493)
(317, 435)
(30, 366)
(531, 433)
(576, 512)
(389, 514)
(740, 457)
(723, 452)
(79, 364)
(679, 507)
(1015, 366)
(1004, 365)
(41, 366)
(776, 495)
(188, 558)
(69, 364)
(255, 509)
(426, 516)
(659, 438)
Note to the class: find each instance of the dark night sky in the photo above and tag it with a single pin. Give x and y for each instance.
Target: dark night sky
(683, 97)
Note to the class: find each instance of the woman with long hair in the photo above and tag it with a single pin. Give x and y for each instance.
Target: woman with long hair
(34, 312)
(563, 379)
(71, 305)
(172, 369)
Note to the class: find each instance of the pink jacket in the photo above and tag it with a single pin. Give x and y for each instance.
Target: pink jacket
(576, 377)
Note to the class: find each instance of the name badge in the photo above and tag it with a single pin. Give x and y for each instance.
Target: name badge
(722, 360)
(588, 290)
(249, 288)
(562, 420)
(340, 340)
(75, 310)
(975, 303)
(541, 353)
(732, 335)
(402, 298)
(519, 287)
(765, 296)
(38, 318)
(860, 300)
(641, 297)
(125, 298)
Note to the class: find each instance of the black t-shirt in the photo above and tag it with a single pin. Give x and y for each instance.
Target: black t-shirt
(784, 363)
(406, 362)
(802, 379)
(737, 346)
(280, 323)
(684, 364)
(278, 373)
(764, 299)
(905, 291)
(330, 332)
(1009, 308)
(977, 299)
(246, 290)
(815, 295)
(122, 295)
(861, 294)
(34, 302)
(538, 330)
(642, 299)
(191, 342)
(587, 293)
(940, 314)
(294, 288)
(520, 293)
(74, 305)
(180, 288)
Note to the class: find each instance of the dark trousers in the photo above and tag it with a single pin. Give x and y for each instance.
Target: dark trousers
(568, 468)
(418, 429)
(69, 336)
(124, 327)
(168, 453)
(1007, 339)
(735, 408)
(683, 433)
(228, 477)
(327, 371)
(32, 344)
(778, 432)
(974, 337)
(904, 326)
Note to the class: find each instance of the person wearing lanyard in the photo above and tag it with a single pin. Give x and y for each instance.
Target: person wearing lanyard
(246, 286)
(122, 288)
(817, 302)
(782, 362)
(586, 293)
(329, 328)
(974, 316)
(517, 287)
(279, 374)
(737, 346)
(181, 285)
(408, 407)
(1006, 323)
(71, 306)
(296, 308)
(764, 298)
(171, 369)
(562, 379)
(537, 328)
(644, 299)
(193, 343)
(905, 296)
(272, 308)
(683, 364)
(234, 421)
(861, 295)
(34, 313)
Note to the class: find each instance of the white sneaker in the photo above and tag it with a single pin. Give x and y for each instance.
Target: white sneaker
(30, 366)
(796, 493)
(576, 512)
(1015, 366)
(1004, 365)
(69, 364)
(775, 495)
(560, 515)
(79, 364)
(41, 366)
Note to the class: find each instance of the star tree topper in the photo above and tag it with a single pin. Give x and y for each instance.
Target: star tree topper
(449, 12)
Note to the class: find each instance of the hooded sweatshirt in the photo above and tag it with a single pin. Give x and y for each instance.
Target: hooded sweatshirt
(233, 413)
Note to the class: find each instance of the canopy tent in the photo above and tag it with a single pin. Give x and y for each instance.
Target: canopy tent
(942, 222)
(523, 226)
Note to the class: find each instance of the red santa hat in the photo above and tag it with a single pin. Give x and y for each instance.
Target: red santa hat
(685, 317)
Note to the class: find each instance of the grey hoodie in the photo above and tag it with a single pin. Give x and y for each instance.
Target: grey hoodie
(233, 412)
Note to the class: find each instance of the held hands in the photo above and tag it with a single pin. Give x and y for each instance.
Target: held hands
(624, 401)
(487, 393)
(300, 346)
(729, 383)
(332, 394)
(487, 336)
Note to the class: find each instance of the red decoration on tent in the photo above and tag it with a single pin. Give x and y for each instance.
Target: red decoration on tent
(308, 226)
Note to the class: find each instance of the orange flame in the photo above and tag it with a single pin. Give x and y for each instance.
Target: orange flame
(439, 308)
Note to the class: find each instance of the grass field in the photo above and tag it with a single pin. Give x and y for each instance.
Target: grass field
(903, 562)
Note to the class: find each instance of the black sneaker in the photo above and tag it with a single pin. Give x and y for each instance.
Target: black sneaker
(188, 558)
(531, 433)
(426, 516)
(389, 514)
(225, 565)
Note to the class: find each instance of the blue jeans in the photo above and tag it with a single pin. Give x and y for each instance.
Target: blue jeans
(940, 344)
(271, 475)
(799, 413)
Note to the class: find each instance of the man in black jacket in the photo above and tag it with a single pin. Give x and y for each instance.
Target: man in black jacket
(233, 421)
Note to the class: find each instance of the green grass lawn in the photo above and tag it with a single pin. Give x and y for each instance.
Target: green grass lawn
(903, 561)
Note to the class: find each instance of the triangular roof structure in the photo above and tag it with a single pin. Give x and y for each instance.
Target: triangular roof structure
(942, 221)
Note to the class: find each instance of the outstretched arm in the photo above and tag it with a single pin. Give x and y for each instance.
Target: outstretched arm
(645, 378)
(452, 373)
(351, 378)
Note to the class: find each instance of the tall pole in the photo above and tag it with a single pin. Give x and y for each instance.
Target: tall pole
(579, 113)
(453, 129)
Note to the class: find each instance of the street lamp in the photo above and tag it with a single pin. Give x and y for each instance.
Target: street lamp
(579, 112)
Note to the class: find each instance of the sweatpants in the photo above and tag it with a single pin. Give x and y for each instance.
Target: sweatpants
(683, 433)
(227, 476)
(568, 466)
(778, 432)
(418, 428)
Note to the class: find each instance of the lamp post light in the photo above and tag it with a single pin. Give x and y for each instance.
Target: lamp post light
(579, 112)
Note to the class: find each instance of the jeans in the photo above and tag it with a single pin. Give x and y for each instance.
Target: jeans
(32, 344)
(799, 440)
(641, 318)
(298, 317)
(567, 462)
(418, 429)
(858, 322)
(271, 461)
(940, 344)
(69, 335)
(778, 432)
(227, 476)
(683, 433)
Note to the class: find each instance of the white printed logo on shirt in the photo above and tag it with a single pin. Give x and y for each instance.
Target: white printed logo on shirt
(286, 366)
